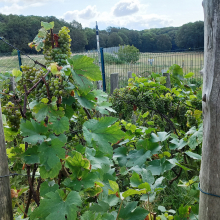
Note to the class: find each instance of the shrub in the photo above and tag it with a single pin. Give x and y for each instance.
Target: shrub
(129, 54)
(14, 52)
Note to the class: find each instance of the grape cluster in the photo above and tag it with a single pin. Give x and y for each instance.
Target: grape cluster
(13, 116)
(62, 50)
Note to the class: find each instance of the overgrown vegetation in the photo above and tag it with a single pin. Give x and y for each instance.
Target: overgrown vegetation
(80, 163)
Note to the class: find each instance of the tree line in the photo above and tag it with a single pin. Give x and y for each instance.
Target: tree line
(21, 29)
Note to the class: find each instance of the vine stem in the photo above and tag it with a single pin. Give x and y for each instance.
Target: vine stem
(149, 204)
(175, 178)
(21, 209)
(119, 209)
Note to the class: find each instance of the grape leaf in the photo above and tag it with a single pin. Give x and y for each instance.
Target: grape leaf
(83, 65)
(135, 180)
(59, 125)
(53, 207)
(43, 110)
(31, 155)
(50, 155)
(47, 187)
(102, 133)
(84, 84)
(33, 130)
(47, 25)
(130, 192)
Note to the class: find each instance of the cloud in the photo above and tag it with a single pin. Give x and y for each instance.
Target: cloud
(12, 9)
(126, 7)
(88, 13)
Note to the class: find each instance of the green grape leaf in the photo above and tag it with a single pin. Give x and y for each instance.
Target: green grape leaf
(104, 108)
(83, 65)
(69, 112)
(137, 157)
(16, 73)
(145, 186)
(77, 161)
(50, 155)
(177, 144)
(53, 207)
(102, 133)
(161, 136)
(114, 186)
(126, 211)
(193, 155)
(47, 25)
(135, 180)
(94, 191)
(86, 180)
(52, 173)
(97, 160)
(196, 138)
(33, 130)
(59, 125)
(9, 134)
(130, 192)
(84, 84)
(188, 75)
(101, 207)
(84, 102)
(88, 215)
(120, 154)
(42, 33)
(43, 110)
(31, 155)
(47, 187)
(147, 176)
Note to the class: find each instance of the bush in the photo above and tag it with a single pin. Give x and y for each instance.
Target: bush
(110, 59)
(14, 52)
(129, 54)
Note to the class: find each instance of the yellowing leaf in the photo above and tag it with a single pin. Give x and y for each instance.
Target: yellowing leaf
(16, 73)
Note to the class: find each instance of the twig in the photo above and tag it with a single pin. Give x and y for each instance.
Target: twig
(119, 209)
(87, 112)
(25, 100)
(25, 215)
(48, 92)
(36, 84)
(171, 181)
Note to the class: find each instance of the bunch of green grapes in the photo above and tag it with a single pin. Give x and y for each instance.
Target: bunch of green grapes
(28, 78)
(197, 104)
(47, 50)
(12, 115)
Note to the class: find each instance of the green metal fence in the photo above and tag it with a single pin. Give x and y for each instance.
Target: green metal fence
(190, 61)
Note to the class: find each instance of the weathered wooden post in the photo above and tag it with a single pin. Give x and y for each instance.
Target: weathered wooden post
(167, 75)
(129, 74)
(210, 168)
(6, 212)
(113, 82)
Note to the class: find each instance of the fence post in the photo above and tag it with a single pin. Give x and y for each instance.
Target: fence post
(103, 70)
(191, 65)
(5, 189)
(129, 74)
(113, 82)
(19, 59)
(167, 75)
(182, 63)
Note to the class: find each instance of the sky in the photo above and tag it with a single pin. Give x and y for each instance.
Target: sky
(131, 14)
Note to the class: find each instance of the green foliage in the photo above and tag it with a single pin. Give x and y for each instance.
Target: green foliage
(128, 54)
(85, 164)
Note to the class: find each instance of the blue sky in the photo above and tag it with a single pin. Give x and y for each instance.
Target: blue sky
(131, 14)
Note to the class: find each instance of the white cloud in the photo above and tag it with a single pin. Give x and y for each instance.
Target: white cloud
(116, 16)
(89, 12)
(12, 9)
(126, 7)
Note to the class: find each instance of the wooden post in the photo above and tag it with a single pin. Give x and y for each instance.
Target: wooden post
(6, 212)
(129, 74)
(113, 82)
(210, 166)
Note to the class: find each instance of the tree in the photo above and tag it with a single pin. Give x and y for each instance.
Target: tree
(114, 40)
(148, 42)
(210, 167)
(163, 43)
(191, 35)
